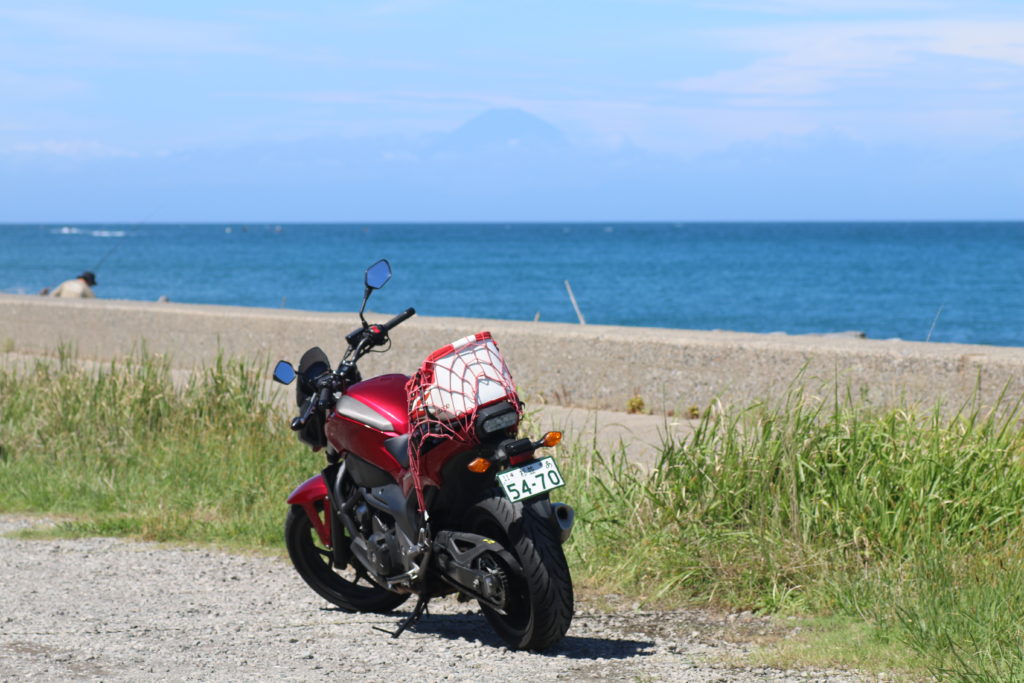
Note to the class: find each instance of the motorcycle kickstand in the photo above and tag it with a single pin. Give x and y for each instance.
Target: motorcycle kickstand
(417, 612)
(422, 599)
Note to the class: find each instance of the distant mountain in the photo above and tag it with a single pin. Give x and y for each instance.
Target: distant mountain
(498, 130)
(507, 164)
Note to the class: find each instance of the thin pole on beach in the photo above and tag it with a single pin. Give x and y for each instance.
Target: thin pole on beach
(937, 314)
(572, 298)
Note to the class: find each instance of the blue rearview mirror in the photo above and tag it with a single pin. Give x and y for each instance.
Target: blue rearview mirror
(284, 373)
(378, 274)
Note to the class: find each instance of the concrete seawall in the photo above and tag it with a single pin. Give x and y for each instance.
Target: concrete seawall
(593, 366)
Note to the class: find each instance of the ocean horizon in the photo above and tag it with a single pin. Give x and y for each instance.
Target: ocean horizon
(955, 281)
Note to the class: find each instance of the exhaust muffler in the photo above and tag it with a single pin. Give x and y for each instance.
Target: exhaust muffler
(565, 517)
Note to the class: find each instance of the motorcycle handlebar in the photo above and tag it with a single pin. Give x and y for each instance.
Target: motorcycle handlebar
(377, 334)
(300, 421)
(326, 388)
(359, 340)
(400, 318)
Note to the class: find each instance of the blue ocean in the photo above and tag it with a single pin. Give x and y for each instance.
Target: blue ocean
(944, 282)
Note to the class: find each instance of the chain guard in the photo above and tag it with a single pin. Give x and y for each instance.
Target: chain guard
(476, 565)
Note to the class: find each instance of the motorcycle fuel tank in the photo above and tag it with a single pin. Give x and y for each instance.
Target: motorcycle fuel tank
(367, 415)
(385, 396)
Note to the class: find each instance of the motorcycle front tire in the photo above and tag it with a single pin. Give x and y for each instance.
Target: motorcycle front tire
(315, 565)
(540, 601)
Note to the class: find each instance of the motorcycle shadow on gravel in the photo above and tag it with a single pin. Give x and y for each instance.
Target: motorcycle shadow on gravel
(473, 628)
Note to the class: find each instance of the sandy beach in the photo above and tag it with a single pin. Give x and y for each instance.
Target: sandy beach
(577, 378)
(591, 367)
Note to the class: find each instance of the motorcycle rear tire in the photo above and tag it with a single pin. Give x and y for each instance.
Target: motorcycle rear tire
(314, 565)
(540, 603)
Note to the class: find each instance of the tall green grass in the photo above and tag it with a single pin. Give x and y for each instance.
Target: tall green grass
(126, 451)
(907, 522)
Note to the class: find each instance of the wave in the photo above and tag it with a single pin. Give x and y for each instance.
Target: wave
(68, 230)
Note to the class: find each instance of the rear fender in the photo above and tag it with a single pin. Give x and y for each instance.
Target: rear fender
(541, 506)
(559, 515)
(307, 495)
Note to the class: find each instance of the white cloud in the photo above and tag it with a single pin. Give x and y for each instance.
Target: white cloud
(997, 41)
(809, 59)
(134, 32)
(404, 6)
(22, 86)
(805, 7)
(75, 149)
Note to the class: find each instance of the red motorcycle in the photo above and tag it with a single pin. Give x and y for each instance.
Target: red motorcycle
(428, 490)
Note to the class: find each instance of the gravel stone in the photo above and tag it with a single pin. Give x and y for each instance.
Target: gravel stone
(114, 610)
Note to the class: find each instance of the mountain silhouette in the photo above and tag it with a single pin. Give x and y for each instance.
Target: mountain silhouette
(502, 129)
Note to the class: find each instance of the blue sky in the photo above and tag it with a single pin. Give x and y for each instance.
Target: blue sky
(471, 110)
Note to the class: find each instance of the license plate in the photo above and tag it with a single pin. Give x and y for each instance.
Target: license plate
(531, 480)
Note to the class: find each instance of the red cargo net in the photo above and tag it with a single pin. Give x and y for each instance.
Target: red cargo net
(445, 394)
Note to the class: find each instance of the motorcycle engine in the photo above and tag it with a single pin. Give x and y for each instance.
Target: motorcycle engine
(382, 549)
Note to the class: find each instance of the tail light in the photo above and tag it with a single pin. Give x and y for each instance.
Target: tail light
(496, 419)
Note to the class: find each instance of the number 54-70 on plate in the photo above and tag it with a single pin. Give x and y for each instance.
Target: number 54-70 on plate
(530, 480)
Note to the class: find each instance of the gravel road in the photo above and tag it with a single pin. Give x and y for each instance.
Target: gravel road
(115, 610)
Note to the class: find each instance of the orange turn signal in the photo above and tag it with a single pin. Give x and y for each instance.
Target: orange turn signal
(551, 439)
(479, 465)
